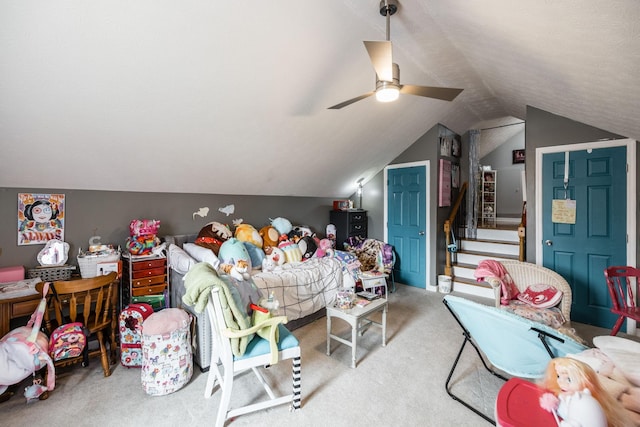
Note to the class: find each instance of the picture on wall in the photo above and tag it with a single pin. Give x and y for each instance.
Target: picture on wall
(518, 156)
(456, 150)
(444, 193)
(40, 218)
(455, 176)
(445, 147)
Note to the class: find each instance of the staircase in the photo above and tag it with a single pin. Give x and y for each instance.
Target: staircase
(499, 243)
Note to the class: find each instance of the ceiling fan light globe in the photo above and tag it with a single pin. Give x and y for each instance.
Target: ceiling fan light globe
(387, 93)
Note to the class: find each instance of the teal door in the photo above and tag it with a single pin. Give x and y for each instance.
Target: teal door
(580, 252)
(407, 224)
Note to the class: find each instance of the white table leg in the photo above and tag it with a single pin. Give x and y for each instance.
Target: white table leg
(384, 326)
(354, 341)
(328, 334)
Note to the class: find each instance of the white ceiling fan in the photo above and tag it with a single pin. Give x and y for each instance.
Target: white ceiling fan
(388, 87)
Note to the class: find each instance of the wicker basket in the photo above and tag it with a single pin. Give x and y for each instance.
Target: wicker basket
(51, 274)
(89, 263)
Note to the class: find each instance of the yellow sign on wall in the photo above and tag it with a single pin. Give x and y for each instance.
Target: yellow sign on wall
(563, 211)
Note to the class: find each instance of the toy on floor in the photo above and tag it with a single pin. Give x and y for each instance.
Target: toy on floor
(576, 397)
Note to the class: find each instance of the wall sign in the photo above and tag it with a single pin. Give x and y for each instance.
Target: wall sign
(40, 218)
(563, 211)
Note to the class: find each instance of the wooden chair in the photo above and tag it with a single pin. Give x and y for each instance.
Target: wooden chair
(622, 282)
(92, 302)
(259, 353)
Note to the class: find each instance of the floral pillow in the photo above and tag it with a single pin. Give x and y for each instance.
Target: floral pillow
(548, 316)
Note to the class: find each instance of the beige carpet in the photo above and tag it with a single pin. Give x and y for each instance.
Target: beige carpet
(401, 384)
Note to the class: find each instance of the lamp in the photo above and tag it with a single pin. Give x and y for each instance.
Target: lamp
(359, 192)
(389, 91)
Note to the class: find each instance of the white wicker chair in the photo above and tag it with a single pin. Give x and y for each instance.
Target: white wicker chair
(526, 273)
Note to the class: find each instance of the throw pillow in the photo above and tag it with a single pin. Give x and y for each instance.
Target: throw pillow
(540, 296)
(202, 254)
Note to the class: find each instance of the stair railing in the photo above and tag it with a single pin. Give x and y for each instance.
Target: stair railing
(522, 227)
(454, 222)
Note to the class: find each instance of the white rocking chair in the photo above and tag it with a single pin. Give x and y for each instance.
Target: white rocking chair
(258, 353)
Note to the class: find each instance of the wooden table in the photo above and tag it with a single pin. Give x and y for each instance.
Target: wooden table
(12, 308)
(354, 317)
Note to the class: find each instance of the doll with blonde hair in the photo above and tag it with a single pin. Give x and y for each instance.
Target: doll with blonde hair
(575, 394)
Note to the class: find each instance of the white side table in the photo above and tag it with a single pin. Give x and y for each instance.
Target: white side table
(370, 280)
(355, 317)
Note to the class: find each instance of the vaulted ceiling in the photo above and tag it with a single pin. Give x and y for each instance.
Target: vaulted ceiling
(231, 97)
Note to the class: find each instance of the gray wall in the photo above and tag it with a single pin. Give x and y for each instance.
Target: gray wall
(108, 213)
(509, 181)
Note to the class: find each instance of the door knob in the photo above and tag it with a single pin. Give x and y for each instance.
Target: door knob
(548, 242)
(421, 233)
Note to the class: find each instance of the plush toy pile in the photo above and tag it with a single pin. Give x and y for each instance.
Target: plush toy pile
(246, 247)
(143, 236)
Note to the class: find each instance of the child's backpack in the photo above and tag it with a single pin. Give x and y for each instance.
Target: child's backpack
(130, 326)
(23, 351)
(68, 341)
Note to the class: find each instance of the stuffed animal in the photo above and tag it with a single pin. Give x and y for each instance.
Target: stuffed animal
(255, 253)
(247, 233)
(213, 235)
(269, 236)
(239, 270)
(300, 231)
(291, 251)
(307, 247)
(234, 253)
(325, 248)
(283, 225)
(275, 255)
(577, 397)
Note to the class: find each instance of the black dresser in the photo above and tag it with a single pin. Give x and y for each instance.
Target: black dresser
(349, 223)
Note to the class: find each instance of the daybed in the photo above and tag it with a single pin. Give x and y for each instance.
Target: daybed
(303, 290)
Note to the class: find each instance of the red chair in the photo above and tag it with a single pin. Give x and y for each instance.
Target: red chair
(623, 282)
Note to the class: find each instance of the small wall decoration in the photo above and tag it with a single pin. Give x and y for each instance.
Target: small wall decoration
(518, 156)
(445, 147)
(444, 193)
(456, 149)
(40, 218)
(455, 176)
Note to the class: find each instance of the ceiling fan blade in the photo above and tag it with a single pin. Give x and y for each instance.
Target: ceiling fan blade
(351, 101)
(381, 56)
(444, 93)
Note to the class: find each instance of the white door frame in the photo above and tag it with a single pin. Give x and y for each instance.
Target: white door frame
(429, 251)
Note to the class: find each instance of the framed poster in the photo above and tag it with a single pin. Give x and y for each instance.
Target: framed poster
(444, 192)
(518, 156)
(456, 150)
(455, 176)
(445, 147)
(40, 218)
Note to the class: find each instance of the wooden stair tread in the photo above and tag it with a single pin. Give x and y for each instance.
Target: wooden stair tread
(501, 242)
